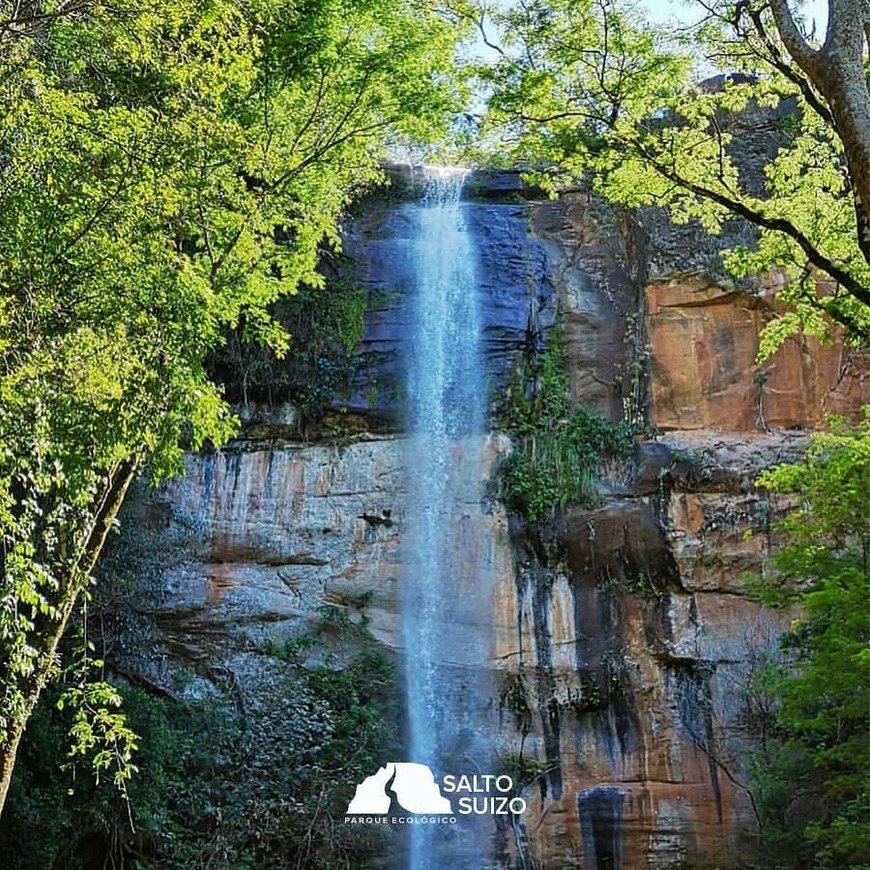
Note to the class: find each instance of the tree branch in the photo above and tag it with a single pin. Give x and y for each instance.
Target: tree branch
(778, 224)
(776, 60)
(804, 56)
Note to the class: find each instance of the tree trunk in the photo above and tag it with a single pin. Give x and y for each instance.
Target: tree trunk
(837, 72)
(50, 630)
(849, 99)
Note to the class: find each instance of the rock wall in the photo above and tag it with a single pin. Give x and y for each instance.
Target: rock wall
(625, 675)
(249, 546)
(652, 322)
(592, 262)
(622, 640)
(515, 284)
(703, 345)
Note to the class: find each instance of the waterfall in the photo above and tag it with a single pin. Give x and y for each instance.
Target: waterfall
(445, 591)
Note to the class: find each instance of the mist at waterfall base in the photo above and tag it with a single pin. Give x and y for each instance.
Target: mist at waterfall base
(445, 591)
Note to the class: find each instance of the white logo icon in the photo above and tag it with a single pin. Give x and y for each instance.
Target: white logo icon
(412, 784)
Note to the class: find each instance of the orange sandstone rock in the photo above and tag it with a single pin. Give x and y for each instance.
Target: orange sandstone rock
(704, 342)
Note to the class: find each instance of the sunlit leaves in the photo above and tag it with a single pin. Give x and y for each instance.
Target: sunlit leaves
(99, 731)
(587, 89)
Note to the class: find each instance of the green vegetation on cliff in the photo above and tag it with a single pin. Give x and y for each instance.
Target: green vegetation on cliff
(559, 449)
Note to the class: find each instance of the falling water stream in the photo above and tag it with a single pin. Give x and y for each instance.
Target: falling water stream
(445, 590)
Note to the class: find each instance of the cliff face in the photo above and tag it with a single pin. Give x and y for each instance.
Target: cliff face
(255, 541)
(516, 290)
(635, 647)
(623, 645)
(703, 342)
(648, 311)
(633, 652)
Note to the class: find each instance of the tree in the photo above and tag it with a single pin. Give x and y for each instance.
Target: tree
(168, 171)
(580, 90)
(820, 763)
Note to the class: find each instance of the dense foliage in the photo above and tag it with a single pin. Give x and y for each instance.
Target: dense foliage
(219, 784)
(587, 88)
(560, 450)
(813, 775)
(169, 170)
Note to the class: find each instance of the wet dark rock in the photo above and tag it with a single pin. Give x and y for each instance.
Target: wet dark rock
(652, 461)
(516, 296)
(600, 811)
